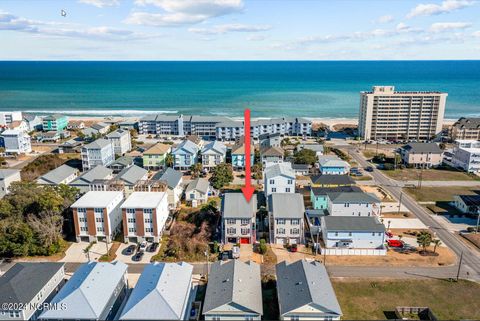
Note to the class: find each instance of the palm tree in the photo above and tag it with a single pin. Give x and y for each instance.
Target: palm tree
(169, 160)
(424, 239)
(196, 169)
(436, 243)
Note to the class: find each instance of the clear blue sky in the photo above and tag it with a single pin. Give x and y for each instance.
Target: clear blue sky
(239, 29)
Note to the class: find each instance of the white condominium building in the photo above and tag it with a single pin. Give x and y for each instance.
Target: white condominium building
(466, 155)
(400, 115)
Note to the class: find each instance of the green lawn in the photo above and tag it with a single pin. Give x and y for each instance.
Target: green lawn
(411, 174)
(439, 194)
(371, 299)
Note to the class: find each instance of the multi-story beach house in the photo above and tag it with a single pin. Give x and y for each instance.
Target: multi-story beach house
(333, 165)
(144, 216)
(279, 178)
(88, 178)
(7, 177)
(238, 154)
(16, 142)
(270, 140)
(286, 212)
(94, 292)
(154, 158)
(271, 155)
(8, 117)
(466, 155)
(164, 291)
(234, 291)
(305, 292)
(213, 154)
(26, 286)
(97, 216)
(197, 192)
(466, 129)
(56, 123)
(353, 204)
(185, 155)
(319, 195)
(99, 152)
(238, 218)
(421, 155)
(174, 181)
(122, 141)
(400, 115)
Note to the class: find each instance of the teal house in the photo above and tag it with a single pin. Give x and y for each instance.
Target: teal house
(56, 123)
(319, 195)
(238, 156)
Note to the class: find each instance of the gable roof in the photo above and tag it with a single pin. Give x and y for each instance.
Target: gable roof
(352, 198)
(144, 200)
(57, 175)
(88, 291)
(422, 148)
(303, 282)
(98, 172)
(170, 176)
(337, 189)
(272, 151)
(234, 205)
(332, 161)
(286, 205)
(100, 125)
(122, 161)
(200, 184)
(158, 149)
(353, 223)
(467, 123)
(186, 146)
(239, 148)
(98, 144)
(161, 293)
(314, 147)
(118, 133)
(234, 282)
(333, 180)
(132, 174)
(470, 200)
(280, 169)
(23, 281)
(215, 147)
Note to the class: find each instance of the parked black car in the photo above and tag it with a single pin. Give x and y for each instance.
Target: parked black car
(153, 247)
(369, 169)
(129, 250)
(138, 257)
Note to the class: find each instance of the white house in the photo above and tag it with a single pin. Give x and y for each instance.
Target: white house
(271, 155)
(30, 284)
(279, 178)
(7, 117)
(144, 216)
(174, 181)
(466, 155)
(305, 292)
(353, 204)
(122, 141)
(286, 212)
(99, 152)
(238, 218)
(213, 153)
(94, 292)
(348, 233)
(7, 177)
(468, 204)
(197, 192)
(16, 142)
(97, 216)
(234, 291)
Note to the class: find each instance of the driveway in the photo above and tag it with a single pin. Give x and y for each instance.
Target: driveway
(147, 256)
(76, 252)
(404, 223)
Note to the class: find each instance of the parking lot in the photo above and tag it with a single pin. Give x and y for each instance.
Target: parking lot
(147, 256)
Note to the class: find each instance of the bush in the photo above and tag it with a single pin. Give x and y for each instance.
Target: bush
(388, 167)
(263, 247)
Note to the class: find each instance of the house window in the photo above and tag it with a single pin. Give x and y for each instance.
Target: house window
(99, 229)
(294, 231)
(99, 219)
(130, 220)
(244, 221)
(231, 230)
(231, 221)
(149, 230)
(148, 220)
(290, 182)
(336, 233)
(130, 211)
(245, 231)
(131, 230)
(287, 190)
(373, 234)
(295, 221)
(346, 205)
(280, 221)
(274, 190)
(280, 231)
(147, 211)
(272, 181)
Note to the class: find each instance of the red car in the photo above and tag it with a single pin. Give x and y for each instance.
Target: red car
(293, 248)
(395, 243)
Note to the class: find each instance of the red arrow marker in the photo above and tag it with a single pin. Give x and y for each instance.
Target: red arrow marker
(248, 189)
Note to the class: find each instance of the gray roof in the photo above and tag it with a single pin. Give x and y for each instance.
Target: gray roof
(53, 117)
(314, 147)
(235, 283)
(22, 282)
(286, 205)
(422, 148)
(170, 176)
(123, 161)
(7, 172)
(281, 169)
(131, 174)
(100, 126)
(186, 146)
(98, 144)
(98, 172)
(352, 198)
(229, 123)
(200, 184)
(332, 161)
(161, 293)
(272, 151)
(467, 123)
(57, 175)
(234, 205)
(300, 166)
(337, 189)
(333, 180)
(353, 223)
(304, 283)
(88, 291)
(118, 133)
(215, 147)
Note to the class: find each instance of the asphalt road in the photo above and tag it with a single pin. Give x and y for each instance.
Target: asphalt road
(470, 267)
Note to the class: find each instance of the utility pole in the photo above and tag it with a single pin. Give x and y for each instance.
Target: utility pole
(478, 221)
(459, 265)
(376, 151)
(420, 177)
(400, 202)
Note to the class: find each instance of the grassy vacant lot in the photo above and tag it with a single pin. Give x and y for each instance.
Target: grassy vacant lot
(411, 174)
(439, 194)
(370, 299)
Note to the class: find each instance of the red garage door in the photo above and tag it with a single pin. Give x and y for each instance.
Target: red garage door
(244, 240)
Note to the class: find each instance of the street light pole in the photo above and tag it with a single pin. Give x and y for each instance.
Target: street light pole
(400, 202)
(459, 265)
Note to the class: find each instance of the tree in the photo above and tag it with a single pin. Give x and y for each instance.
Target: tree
(222, 175)
(196, 169)
(306, 156)
(169, 160)
(257, 171)
(263, 247)
(436, 242)
(424, 239)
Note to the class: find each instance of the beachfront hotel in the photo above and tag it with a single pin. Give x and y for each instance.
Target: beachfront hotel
(400, 115)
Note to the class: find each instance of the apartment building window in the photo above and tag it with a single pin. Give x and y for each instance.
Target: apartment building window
(148, 220)
(82, 219)
(130, 220)
(231, 221)
(131, 230)
(295, 221)
(99, 219)
(147, 210)
(244, 221)
(287, 190)
(99, 229)
(245, 231)
(295, 231)
(272, 181)
(274, 190)
(346, 205)
(83, 228)
(149, 229)
(336, 233)
(280, 221)
(290, 182)
(98, 211)
(130, 211)
(231, 230)
(280, 230)
(81, 210)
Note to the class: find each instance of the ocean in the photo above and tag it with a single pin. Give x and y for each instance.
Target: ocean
(317, 89)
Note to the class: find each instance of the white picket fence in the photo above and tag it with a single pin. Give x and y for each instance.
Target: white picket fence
(376, 252)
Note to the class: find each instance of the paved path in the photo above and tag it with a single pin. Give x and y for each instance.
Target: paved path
(471, 258)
